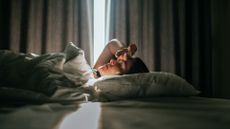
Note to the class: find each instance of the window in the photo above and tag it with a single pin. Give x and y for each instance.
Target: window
(100, 37)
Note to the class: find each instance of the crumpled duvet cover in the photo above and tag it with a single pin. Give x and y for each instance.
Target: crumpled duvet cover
(26, 77)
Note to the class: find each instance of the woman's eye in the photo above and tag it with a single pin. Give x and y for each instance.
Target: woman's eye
(119, 60)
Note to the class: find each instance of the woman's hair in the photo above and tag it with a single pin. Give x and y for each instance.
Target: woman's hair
(138, 67)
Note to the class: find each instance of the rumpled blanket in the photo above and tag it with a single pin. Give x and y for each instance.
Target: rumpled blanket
(38, 74)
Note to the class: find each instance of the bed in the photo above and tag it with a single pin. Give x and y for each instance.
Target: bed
(157, 112)
(57, 91)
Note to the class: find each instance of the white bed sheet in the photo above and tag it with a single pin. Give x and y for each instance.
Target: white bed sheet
(167, 113)
(45, 116)
(149, 113)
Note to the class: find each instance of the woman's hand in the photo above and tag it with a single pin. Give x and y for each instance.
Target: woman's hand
(121, 52)
(132, 48)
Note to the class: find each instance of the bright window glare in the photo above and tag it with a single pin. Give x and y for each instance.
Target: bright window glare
(99, 27)
(87, 117)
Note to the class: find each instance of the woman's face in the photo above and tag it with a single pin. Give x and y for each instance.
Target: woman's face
(117, 67)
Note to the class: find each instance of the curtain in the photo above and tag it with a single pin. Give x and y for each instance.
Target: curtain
(171, 35)
(43, 26)
(221, 44)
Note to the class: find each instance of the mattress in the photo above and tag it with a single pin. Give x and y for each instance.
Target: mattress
(167, 113)
(145, 113)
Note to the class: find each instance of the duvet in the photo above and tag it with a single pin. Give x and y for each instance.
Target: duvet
(49, 77)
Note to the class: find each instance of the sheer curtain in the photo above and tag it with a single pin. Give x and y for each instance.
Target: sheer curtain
(43, 26)
(171, 35)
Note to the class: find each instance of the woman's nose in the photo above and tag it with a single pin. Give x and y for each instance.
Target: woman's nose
(112, 62)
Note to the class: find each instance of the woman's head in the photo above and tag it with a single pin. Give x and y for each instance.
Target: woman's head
(138, 66)
(123, 65)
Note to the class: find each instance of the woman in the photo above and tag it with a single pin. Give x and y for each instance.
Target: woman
(115, 59)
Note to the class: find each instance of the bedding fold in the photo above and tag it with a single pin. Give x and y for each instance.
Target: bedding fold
(41, 74)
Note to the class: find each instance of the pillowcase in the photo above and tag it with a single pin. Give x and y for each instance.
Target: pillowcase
(76, 65)
(141, 85)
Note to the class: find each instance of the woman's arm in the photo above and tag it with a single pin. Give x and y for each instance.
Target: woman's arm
(108, 52)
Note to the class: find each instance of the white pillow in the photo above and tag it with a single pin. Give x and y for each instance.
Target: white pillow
(76, 65)
(142, 85)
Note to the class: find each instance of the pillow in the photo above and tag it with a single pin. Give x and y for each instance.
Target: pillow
(141, 85)
(76, 65)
